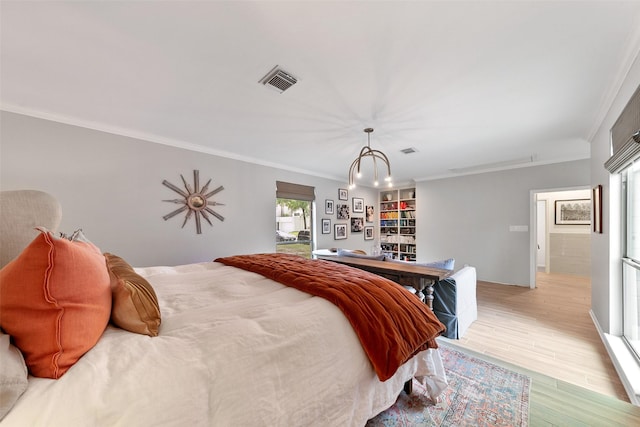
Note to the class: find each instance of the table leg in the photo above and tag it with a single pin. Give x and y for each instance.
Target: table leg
(427, 285)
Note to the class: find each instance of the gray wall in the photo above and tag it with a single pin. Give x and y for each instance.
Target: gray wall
(468, 217)
(606, 296)
(111, 187)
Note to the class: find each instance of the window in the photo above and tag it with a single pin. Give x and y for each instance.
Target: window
(631, 256)
(294, 218)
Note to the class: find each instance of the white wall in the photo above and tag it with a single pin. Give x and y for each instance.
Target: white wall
(111, 187)
(468, 217)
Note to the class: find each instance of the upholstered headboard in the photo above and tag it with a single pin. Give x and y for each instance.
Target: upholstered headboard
(20, 212)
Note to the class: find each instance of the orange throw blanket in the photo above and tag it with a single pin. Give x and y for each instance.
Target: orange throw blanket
(392, 324)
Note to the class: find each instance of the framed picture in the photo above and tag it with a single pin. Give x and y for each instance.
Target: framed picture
(573, 212)
(357, 224)
(358, 205)
(340, 231)
(326, 226)
(597, 209)
(328, 207)
(368, 232)
(343, 212)
(370, 213)
(343, 194)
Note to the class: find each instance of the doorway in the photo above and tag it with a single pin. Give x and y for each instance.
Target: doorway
(541, 235)
(560, 241)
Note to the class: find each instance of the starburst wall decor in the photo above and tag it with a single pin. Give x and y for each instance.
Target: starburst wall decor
(195, 200)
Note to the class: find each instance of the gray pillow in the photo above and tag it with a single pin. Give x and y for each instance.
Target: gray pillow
(345, 252)
(445, 264)
(13, 375)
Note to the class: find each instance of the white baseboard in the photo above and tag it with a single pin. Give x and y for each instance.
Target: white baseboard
(624, 361)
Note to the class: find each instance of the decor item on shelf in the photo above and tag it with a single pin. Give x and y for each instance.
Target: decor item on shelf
(354, 170)
(195, 201)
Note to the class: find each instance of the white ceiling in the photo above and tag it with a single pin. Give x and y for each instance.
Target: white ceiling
(467, 84)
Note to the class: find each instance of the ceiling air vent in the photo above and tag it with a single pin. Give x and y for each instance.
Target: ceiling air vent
(278, 79)
(408, 150)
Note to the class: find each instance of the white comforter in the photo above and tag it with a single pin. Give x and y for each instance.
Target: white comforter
(235, 349)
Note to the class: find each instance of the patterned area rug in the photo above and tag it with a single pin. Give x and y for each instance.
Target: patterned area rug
(479, 394)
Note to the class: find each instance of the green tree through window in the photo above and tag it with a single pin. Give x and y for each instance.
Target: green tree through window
(293, 231)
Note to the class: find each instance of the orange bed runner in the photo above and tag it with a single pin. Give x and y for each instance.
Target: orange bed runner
(392, 324)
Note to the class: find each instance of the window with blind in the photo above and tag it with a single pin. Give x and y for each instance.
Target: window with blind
(625, 160)
(631, 256)
(294, 213)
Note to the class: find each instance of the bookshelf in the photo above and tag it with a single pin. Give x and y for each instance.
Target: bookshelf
(398, 223)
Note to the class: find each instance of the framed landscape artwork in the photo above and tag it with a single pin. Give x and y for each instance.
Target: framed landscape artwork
(573, 212)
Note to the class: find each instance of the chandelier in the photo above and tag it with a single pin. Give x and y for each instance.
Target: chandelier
(354, 170)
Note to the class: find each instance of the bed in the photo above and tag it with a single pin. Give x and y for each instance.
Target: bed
(231, 347)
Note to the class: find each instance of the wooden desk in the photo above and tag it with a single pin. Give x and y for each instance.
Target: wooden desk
(419, 277)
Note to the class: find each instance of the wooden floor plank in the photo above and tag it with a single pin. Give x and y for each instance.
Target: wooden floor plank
(548, 334)
(547, 329)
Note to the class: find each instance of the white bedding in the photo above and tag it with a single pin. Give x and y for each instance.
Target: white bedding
(235, 349)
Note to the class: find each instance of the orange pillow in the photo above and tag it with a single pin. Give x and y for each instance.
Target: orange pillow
(55, 302)
(135, 305)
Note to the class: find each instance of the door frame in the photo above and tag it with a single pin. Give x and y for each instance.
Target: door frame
(533, 226)
(546, 232)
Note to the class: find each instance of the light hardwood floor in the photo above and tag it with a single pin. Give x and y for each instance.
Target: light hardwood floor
(547, 330)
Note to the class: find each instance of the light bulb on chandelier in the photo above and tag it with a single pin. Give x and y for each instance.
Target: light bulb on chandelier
(375, 155)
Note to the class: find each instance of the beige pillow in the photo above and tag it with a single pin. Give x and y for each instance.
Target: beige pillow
(135, 305)
(23, 211)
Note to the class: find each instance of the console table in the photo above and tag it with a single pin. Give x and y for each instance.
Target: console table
(419, 277)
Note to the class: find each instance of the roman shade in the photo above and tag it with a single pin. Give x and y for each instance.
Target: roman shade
(625, 136)
(287, 190)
